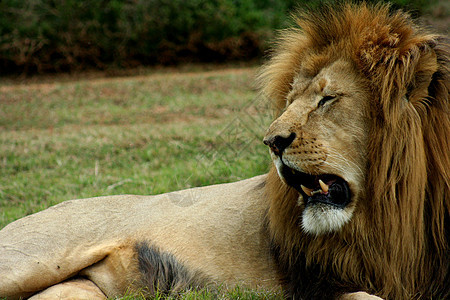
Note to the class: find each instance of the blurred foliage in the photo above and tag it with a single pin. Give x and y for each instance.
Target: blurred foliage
(65, 35)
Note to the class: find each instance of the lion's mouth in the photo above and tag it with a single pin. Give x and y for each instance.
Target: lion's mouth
(327, 189)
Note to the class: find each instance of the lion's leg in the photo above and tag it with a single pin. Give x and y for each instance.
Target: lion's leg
(359, 296)
(71, 289)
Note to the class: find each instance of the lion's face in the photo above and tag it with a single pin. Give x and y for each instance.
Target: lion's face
(319, 144)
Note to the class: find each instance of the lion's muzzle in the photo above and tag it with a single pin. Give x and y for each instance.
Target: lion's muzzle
(325, 189)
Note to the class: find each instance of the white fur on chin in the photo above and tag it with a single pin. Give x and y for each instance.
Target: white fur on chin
(321, 218)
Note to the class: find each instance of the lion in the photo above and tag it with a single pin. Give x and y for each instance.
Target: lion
(356, 203)
(360, 186)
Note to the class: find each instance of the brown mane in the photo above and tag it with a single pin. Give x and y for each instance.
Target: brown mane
(397, 243)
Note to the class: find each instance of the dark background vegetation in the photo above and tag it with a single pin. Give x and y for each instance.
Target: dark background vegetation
(42, 36)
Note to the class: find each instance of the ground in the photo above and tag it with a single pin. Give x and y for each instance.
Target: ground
(66, 138)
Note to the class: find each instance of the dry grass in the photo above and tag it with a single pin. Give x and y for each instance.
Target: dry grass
(138, 135)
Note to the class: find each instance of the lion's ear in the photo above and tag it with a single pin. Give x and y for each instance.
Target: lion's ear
(427, 66)
(431, 75)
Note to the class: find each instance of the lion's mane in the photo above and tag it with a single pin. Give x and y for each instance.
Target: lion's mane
(397, 244)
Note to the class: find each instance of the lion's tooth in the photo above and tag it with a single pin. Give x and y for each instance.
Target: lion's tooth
(324, 186)
(306, 190)
(317, 192)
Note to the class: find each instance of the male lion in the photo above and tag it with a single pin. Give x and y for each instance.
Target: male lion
(358, 199)
(360, 189)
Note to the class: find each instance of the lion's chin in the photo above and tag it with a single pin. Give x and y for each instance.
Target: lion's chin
(325, 197)
(321, 218)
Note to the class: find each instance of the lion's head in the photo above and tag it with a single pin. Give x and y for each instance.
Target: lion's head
(360, 145)
(319, 143)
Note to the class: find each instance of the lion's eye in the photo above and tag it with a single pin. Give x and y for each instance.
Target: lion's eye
(326, 99)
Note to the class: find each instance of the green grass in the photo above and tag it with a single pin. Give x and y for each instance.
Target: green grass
(219, 293)
(147, 134)
(136, 135)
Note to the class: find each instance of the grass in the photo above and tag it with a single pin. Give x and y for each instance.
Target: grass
(147, 134)
(219, 293)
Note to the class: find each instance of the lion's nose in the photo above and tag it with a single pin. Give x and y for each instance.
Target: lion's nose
(278, 143)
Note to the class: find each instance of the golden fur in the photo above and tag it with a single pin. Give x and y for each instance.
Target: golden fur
(397, 243)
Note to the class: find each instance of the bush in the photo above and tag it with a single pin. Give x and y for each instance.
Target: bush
(64, 35)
